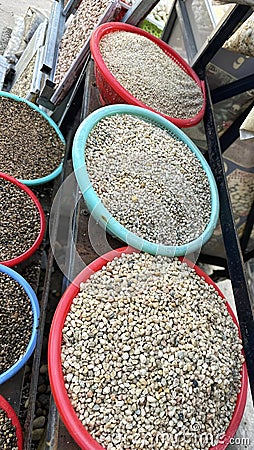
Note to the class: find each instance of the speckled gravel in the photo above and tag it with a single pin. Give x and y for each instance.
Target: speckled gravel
(8, 438)
(19, 221)
(76, 34)
(16, 321)
(149, 181)
(29, 146)
(152, 77)
(22, 85)
(151, 358)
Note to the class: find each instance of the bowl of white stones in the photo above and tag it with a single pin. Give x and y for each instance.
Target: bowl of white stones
(145, 181)
(133, 66)
(145, 353)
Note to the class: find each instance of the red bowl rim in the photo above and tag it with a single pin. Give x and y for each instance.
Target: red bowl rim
(66, 410)
(20, 258)
(110, 27)
(14, 420)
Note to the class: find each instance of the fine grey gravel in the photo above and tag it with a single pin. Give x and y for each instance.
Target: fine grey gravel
(22, 85)
(29, 146)
(76, 34)
(150, 182)
(150, 75)
(151, 357)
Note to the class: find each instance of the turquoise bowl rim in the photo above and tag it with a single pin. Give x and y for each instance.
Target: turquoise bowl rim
(103, 216)
(58, 170)
(36, 314)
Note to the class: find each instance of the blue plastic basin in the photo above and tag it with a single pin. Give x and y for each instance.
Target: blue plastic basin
(36, 314)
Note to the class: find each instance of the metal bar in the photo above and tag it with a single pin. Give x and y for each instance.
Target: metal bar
(249, 255)
(188, 36)
(170, 23)
(220, 34)
(231, 243)
(232, 132)
(139, 11)
(54, 34)
(230, 90)
(70, 7)
(247, 229)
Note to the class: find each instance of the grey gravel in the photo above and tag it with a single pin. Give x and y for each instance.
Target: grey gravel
(29, 146)
(151, 358)
(151, 76)
(8, 438)
(19, 221)
(148, 180)
(22, 85)
(16, 321)
(76, 34)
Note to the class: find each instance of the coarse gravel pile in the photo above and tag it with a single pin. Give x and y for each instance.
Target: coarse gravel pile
(150, 181)
(151, 357)
(150, 75)
(29, 146)
(19, 221)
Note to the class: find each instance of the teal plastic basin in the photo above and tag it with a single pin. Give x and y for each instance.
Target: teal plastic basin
(58, 170)
(103, 216)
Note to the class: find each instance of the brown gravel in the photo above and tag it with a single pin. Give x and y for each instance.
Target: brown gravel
(16, 321)
(29, 147)
(19, 219)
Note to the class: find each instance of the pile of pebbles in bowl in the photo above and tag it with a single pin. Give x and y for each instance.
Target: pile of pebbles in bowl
(16, 321)
(30, 148)
(150, 181)
(22, 85)
(150, 75)
(76, 34)
(8, 437)
(19, 221)
(151, 357)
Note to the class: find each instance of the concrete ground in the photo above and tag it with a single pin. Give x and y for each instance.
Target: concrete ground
(11, 9)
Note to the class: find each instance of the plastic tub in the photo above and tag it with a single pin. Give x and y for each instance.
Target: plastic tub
(36, 313)
(20, 258)
(5, 406)
(112, 91)
(67, 412)
(58, 170)
(102, 215)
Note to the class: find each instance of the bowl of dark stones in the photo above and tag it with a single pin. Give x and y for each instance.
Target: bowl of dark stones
(31, 144)
(19, 320)
(22, 221)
